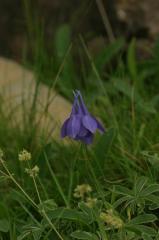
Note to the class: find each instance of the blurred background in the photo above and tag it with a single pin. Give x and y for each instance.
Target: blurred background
(22, 21)
(109, 50)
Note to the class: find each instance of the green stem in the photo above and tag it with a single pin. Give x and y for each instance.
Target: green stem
(18, 185)
(56, 181)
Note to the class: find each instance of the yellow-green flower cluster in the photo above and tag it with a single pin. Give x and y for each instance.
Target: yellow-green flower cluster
(33, 172)
(81, 190)
(24, 156)
(90, 202)
(111, 219)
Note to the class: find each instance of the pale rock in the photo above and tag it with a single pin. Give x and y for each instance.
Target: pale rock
(17, 91)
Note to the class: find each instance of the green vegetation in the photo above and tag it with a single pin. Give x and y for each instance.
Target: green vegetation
(106, 191)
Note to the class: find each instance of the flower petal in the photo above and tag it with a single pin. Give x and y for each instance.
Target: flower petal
(99, 126)
(73, 126)
(83, 131)
(82, 105)
(87, 139)
(74, 106)
(64, 128)
(80, 125)
(89, 123)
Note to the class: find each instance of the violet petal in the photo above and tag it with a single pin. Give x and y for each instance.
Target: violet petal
(82, 104)
(88, 139)
(64, 128)
(73, 126)
(83, 131)
(89, 123)
(74, 106)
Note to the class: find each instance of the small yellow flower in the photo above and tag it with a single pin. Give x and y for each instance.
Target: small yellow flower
(111, 219)
(24, 156)
(90, 202)
(81, 190)
(33, 172)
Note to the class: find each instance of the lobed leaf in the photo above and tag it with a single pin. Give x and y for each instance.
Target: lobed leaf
(84, 235)
(145, 218)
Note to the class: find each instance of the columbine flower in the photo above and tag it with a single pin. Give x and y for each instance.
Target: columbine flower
(81, 125)
(81, 190)
(24, 156)
(32, 172)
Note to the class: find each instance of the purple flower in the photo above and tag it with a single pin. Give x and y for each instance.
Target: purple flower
(80, 125)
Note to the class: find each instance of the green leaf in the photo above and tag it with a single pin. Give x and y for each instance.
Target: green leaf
(62, 40)
(104, 144)
(30, 230)
(3, 211)
(145, 218)
(121, 200)
(18, 196)
(128, 90)
(122, 190)
(124, 86)
(107, 53)
(101, 150)
(152, 188)
(86, 210)
(140, 184)
(140, 229)
(23, 235)
(48, 205)
(154, 206)
(131, 60)
(145, 229)
(4, 225)
(154, 200)
(67, 76)
(69, 214)
(146, 236)
(84, 235)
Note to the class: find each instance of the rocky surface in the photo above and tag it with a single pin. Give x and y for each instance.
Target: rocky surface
(17, 92)
(139, 16)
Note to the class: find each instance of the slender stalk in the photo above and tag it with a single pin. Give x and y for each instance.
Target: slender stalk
(52, 225)
(36, 188)
(17, 184)
(105, 19)
(49, 97)
(43, 210)
(27, 196)
(30, 214)
(90, 168)
(72, 174)
(56, 181)
(43, 188)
